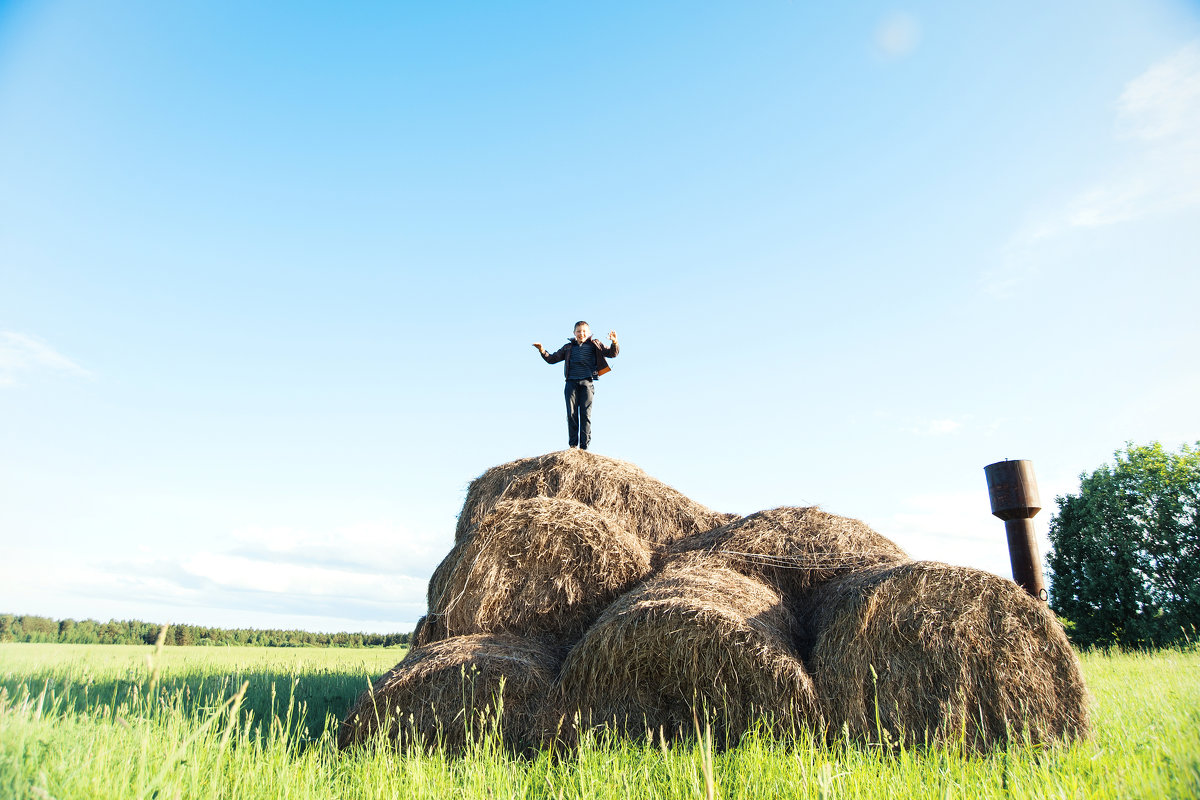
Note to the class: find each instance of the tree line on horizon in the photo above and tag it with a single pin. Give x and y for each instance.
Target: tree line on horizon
(28, 628)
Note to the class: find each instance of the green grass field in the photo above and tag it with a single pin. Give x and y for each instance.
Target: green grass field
(95, 721)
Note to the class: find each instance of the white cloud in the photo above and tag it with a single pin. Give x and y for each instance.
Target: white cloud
(367, 547)
(954, 527)
(957, 527)
(368, 577)
(936, 427)
(897, 36)
(1158, 117)
(20, 352)
(1164, 101)
(1159, 113)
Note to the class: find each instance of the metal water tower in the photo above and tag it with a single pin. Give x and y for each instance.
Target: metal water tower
(1012, 489)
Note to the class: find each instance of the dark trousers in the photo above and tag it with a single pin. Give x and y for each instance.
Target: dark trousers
(579, 396)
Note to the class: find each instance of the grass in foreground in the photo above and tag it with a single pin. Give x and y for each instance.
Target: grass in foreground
(101, 722)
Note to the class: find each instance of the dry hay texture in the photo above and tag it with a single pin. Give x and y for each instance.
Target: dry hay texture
(958, 655)
(738, 613)
(697, 640)
(645, 507)
(543, 567)
(445, 694)
(796, 549)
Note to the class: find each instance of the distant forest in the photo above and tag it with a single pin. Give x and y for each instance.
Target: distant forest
(14, 628)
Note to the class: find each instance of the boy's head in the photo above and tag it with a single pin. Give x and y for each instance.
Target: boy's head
(582, 331)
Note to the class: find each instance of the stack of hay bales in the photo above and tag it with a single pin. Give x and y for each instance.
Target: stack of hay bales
(581, 593)
(543, 546)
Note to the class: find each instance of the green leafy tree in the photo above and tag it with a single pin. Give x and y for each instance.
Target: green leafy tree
(110, 633)
(39, 629)
(1125, 564)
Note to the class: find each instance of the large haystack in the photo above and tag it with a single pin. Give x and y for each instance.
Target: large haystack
(927, 652)
(642, 505)
(446, 694)
(563, 546)
(795, 549)
(698, 638)
(543, 567)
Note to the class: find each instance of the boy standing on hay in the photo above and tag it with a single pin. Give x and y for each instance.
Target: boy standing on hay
(585, 359)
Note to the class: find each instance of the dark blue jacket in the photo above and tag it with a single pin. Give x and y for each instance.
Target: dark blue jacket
(564, 354)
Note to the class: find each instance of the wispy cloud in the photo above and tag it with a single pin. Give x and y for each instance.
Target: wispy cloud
(372, 576)
(1159, 112)
(954, 527)
(936, 427)
(1164, 101)
(370, 547)
(1158, 117)
(957, 527)
(21, 353)
(897, 36)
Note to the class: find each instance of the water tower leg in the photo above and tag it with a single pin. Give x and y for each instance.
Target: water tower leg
(1023, 554)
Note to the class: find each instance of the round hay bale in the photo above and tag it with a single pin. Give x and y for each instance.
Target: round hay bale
(697, 641)
(644, 506)
(795, 549)
(445, 694)
(943, 654)
(545, 566)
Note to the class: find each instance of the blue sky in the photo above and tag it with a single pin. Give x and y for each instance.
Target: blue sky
(269, 274)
